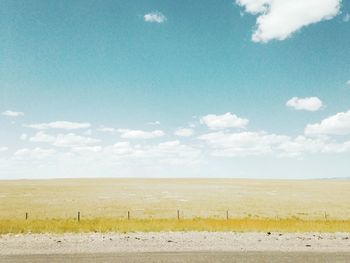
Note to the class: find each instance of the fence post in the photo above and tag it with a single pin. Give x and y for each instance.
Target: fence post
(325, 215)
(78, 216)
(26, 215)
(178, 214)
(128, 215)
(227, 215)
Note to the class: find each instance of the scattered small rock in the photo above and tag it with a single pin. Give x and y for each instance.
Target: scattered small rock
(345, 238)
(169, 241)
(307, 245)
(268, 233)
(137, 238)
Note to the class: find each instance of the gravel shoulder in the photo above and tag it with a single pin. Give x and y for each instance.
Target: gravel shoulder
(184, 257)
(32, 244)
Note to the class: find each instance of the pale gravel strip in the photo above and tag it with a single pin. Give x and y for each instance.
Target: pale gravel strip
(172, 241)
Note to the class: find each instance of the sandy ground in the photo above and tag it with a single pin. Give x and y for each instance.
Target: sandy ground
(172, 242)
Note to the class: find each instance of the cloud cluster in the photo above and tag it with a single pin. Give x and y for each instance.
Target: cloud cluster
(184, 132)
(155, 17)
(139, 134)
(225, 121)
(230, 144)
(170, 152)
(36, 153)
(308, 104)
(63, 140)
(242, 143)
(64, 125)
(14, 114)
(338, 124)
(219, 136)
(279, 19)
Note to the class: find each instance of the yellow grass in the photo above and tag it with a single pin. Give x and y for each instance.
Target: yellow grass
(157, 225)
(161, 198)
(253, 205)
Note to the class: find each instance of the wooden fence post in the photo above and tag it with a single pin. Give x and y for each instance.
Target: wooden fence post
(325, 215)
(78, 216)
(26, 215)
(178, 214)
(227, 215)
(128, 215)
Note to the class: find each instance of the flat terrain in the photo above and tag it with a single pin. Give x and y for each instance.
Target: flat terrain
(205, 257)
(254, 205)
(161, 198)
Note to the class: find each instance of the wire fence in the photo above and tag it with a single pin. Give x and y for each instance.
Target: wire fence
(166, 214)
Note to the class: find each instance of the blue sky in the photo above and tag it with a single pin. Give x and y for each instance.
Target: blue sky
(175, 88)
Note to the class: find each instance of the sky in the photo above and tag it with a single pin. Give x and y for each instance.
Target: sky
(232, 88)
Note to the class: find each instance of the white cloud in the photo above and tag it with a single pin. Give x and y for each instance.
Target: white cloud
(121, 148)
(3, 149)
(348, 82)
(227, 120)
(155, 17)
(63, 140)
(301, 145)
(338, 124)
(184, 132)
(64, 125)
(169, 152)
(37, 153)
(86, 149)
(242, 143)
(262, 143)
(14, 114)
(138, 134)
(42, 137)
(176, 153)
(73, 140)
(308, 104)
(279, 19)
(346, 18)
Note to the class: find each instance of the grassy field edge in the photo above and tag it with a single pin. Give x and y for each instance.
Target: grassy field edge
(104, 225)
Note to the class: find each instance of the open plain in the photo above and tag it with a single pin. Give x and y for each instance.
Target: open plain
(174, 220)
(162, 198)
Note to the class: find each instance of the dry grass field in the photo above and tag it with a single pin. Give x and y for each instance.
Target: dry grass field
(252, 205)
(104, 225)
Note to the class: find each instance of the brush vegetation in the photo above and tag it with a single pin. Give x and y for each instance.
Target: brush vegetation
(157, 225)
